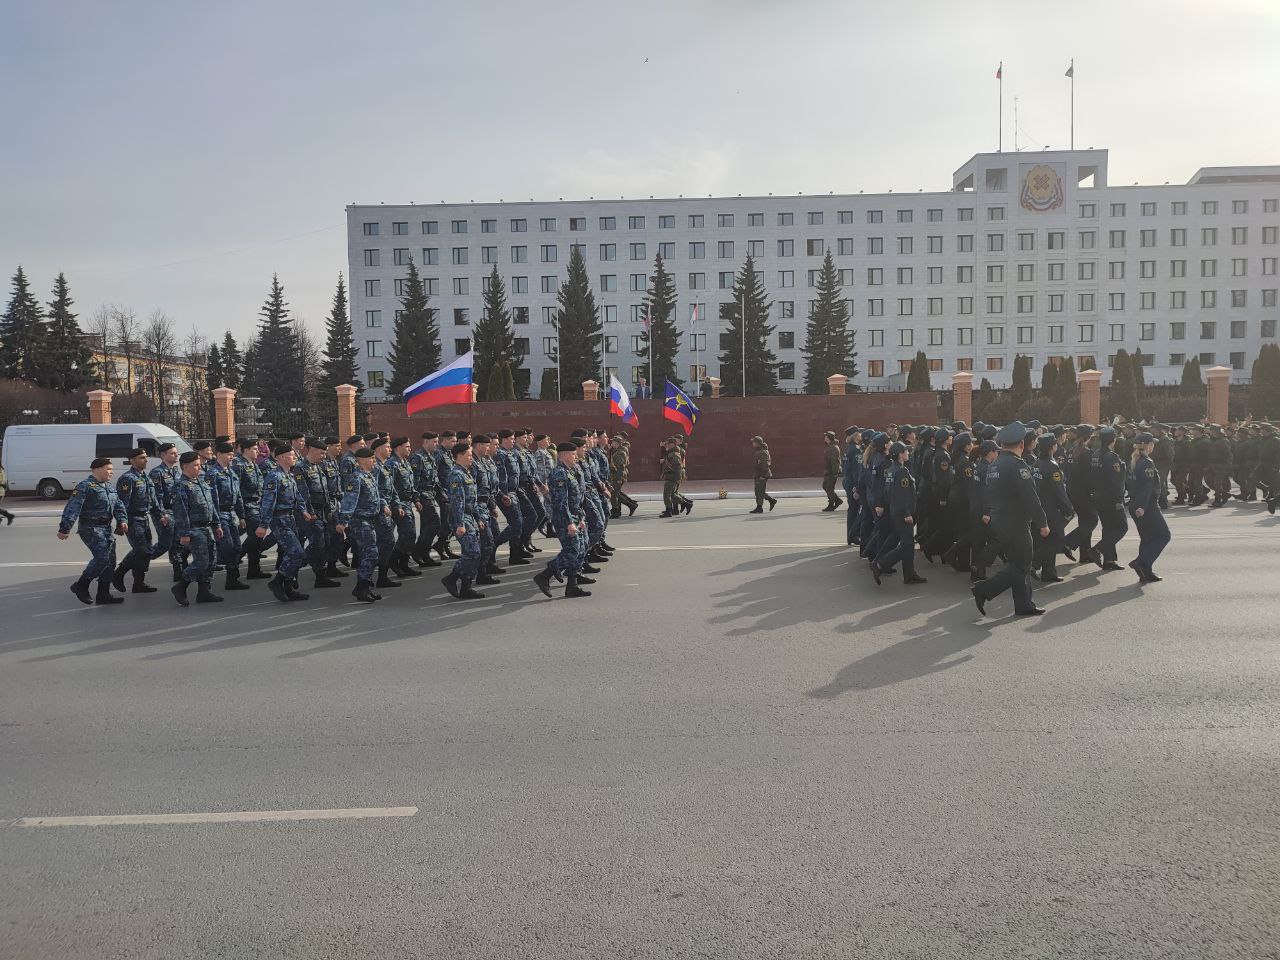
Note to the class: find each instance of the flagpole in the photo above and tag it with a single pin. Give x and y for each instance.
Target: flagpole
(744, 342)
(1072, 73)
(1000, 116)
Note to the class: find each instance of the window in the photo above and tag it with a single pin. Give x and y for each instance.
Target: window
(1178, 237)
(1238, 330)
(964, 336)
(373, 348)
(934, 215)
(995, 335)
(1269, 206)
(1088, 239)
(995, 363)
(1149, 209)
(877, 338)
(1178, 208)
(610, 344)
(1026, 303)
(935, 306)
(459, 226)
(488, 254)
(1026, 241)
(373, 318)
(1116, 239)
(1146, 238)
(906, 337)
(786, 278)
(755, 249)
(935, 244)
(724, 249)
(1208, 359)
(1084, 333)
(1147, 269)
(1209, 236)
(964, 363)
(1057, 302)
(432, 285)
(376, 379)
(1269, 297)
(547, 224)
(1239, 267)
(1026, 335)
(995, 243)
(875, 308)
(904, 245)
(815, 219)
(1026, 272)
(995, 304)
(548, 285)
(697, 221)
(786, 309)
(1239, 236)
(1208, 299)
(935, 275)
(608, 251)
(371, 258)
(666, 222)
(697, 250)
(1237, 361)
(1178, 330)
(521, 345)
(1268, 266)
(520, 315)
(1208, 268)
(1209, 207)
(460, 255)
(1269, 235)
(786, 371)
(1117, 333)
(488, 226)
(1147, 300)
(1084, 303)
(846, 278)
(373, 288)
(548, 315)
(698, 341)
(1177, 359)
(786, 219)
(1056, 332)
(905, 275)
(402, 287)
(1269, 328)
(935, 336)
(548, 253)
(461, 345)
(608, 223)
(845, 216)
(635, 223)
(726, 279)
(964, 274)
(637, 251)
(1208, 330)
(1115, 269)
(1239, 298)
(577, 224)
(905, 306)
(964, 213)
(786, 340)
(461, 286)
(964, 305)
(697, 281)
(995, 273)
(608, 283)
(964, 243)
(875, 245)
(995, 213)
(1088, 211)
(667, 251)
(813, 248)
(755, 219)
(370, 229)
(1115, 301)
(875, 368)
(639, 283)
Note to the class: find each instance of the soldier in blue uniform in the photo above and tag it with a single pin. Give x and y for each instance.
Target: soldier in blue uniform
(98, 508)
(408, 502)
(164, 475)
(485, 482)
(531, 512)
(138, 494)
(444, 466)
(1076, 464)
(979, 512)
(358, 513)
(195, 527)
(1052, 487)
(901, 506)
(1146, 486)
(958, 510)
(427, 482)
(465, 515)
(335, 545)
(1015, 512)
(316, 506)
(567, 519)
(508, 496)
(385, 525)
(851, 477)
(231, 516)
(281, 504)
(1107, 477)
(245, 466)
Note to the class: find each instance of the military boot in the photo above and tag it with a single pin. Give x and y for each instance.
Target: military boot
(425, 559)
(323, 581)
(516, 558)
(527, 546)
(179, 591)
(363, 593)
(291, 589)
(402, 566)
(206, 595)
(117, 577)
(543, 580)
(485, 580)
(573, 590)
(466, 593)
(451, 583)
(331, 570)
(233, 581)
(588, 568)
(177, 573)
(383, 580)
(255, 568)
(104, 596)
(279, 589)
(140, 584)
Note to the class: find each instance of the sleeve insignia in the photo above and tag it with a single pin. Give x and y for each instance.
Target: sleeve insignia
(1117, 466)
(1057, 477)
(944, 466)
(906, 481)
(1024, 473)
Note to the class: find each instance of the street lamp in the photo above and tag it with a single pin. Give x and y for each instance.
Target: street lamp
(31, 413)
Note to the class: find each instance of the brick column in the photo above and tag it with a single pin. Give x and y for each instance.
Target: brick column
(1087, 383)
(1217, 394)
(715, 387)
(224, 412)
(346, 410)
(99, 406)
(962, 397)
(590, 390)
(837, 385)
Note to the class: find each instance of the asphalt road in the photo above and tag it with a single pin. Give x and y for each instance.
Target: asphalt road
(738, 748)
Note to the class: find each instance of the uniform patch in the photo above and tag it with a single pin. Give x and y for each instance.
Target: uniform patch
(1057, 477)
(1117, 466)
(944, 465)
(1024, 473)
(906, 481)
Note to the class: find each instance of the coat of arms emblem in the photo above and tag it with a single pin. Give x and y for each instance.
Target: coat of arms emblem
(1041, 189)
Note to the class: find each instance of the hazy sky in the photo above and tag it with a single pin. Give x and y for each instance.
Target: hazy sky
(174, 154)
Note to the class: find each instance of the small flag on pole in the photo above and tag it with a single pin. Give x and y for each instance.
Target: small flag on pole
(679, 408)
(451, 384)
(1000, 71)
(620, 403)
(1071, 70)
(693, 316)
(648, 319)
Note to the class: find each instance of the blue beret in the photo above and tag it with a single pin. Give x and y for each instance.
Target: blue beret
(1144, 438)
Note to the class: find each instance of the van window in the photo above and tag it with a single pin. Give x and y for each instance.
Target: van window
(147, 444)
(178, 442)
(113, 445)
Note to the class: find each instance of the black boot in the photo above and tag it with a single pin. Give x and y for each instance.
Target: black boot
(451, 583)
(140, 584)
(363, 593)
(104, 596)
(383, 580)
(117, 578)
(233, 580)
(278, 588)
(177, 573)
(403, 568)
(425, 559)
(492, 568)
(291, 588)
(528, 547)
(485, 580)
(179, 591)
(573, 590)
(772, 503)
(255, 568)
(332, 571)
(466, 593)
(205, 595)
(588, 568)
(631, 508)
(543, 580)
(759, 507)
(516, 558)
(322, 581)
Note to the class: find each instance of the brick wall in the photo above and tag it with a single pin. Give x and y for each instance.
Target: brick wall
(720, 448)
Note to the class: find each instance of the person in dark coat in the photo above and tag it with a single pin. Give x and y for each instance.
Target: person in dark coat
(1145, 486)
(901, 496)
(1052, 488)
(1015, 513)
(1107, 478)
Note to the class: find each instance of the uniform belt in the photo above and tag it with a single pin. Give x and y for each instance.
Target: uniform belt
(94, 523)
(286, 512)
(143, 514)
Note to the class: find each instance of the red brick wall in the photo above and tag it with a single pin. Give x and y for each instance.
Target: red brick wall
(720, 447)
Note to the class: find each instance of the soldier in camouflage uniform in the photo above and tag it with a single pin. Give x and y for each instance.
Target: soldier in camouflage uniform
(225, 486)
(567, 519)
(464, 513)
(249, 473)
(427, 482)
(196, 527)
(409, 502)
(281, 507)
(763, 472)
(96, 506)
(385, 527)
(619, 474)
(671, 466)
(138, 494)
(313, 489)
(164, 476)
(358, 513)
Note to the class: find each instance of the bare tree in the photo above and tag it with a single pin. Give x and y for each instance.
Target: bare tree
(308, 359)
(100, 327)
(124, 331)
(159, 344)
(195, 351)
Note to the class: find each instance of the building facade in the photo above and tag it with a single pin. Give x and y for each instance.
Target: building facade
(1029, 253)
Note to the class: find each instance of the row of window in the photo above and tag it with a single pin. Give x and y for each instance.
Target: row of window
(814, 218)
(876, 368)
(1084, 333)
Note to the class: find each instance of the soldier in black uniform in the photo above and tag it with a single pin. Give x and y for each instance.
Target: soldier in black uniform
(1075, 463)
(1108, 474)
(1219, 465)
(1181, 464)
(900, 492)
(1015, 512)
(1052, 487)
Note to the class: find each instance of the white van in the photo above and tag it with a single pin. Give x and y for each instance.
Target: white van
(49, 459)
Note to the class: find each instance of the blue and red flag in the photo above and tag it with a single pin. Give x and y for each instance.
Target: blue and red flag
(451, 384)
(620, 403)
(680, 408)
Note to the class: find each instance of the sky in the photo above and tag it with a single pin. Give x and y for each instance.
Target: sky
(173, 155)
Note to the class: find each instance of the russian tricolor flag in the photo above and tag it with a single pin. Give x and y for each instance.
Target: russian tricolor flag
(620, 403)
(451, 384)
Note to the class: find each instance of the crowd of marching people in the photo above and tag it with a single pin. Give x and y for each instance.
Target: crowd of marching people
(966, 496)
(383, 507)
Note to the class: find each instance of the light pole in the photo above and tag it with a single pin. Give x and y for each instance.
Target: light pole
(554, 356)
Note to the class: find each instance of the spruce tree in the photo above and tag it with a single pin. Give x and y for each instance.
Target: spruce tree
(918, 376)
(1135, 367)
(24, 336)
(662, 336)
(578, 329)
(1191, 379)
(494, 388)
(762, 364)
(1049, 379)
(828, 342)
(274, 373)
(416, 350)
(494, 341)
(1066, 387)
(214, 375)
(339, 365)
(232, 363)
(71, 365)
(547, 387)
(1020, 389)
(508, 383)
(1124, 392)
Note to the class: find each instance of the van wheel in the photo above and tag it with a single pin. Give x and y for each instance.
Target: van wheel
(49, 490)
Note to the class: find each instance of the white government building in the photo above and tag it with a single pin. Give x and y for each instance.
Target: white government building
(1028, 253)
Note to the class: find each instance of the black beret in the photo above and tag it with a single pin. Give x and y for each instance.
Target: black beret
(135, 452)
(369, 436)
(105, 461)
(987, 446)
(280, 447)
(579, 442)
(189, 457)
(314, 444)
(578, 433)
(505, 432)
(462, 434)
(480, 438)
(248, 443)
(541, 436)
(364, 453)
(225, 447)
(522, 432)
(331, 441)
(355, 438)
(164, 447)
(566, 447)
(297, 436)
(430, 436)
(201, 445)
(448, 433)
(459, 449)
(380, 442)
(224, 438)
(398, 441)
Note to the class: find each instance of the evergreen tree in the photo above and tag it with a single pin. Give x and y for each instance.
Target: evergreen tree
(494, 341)
(828, 340)
(340, 355)
(233, 363)
(274, 371)
(1124, 392)
(1049, 379)
(1066, 386)
(416, 351)
(578, 329)
(918, 375)
(494, 387)
(663, 335)
(762, 364)
(24, 335)
(213, 372)
(1191, 379)
(508, 383)
(547, 388)
(71, 367)
(1020, 389)
(1135, 367)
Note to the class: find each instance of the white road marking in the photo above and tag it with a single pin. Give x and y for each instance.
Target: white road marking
(47, 563)
(243, 816)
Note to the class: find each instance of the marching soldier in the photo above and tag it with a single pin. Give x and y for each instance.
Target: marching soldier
(427, 482)
(619, 473)
(568, 520)
(246, 469)
(195, 527)
(901, 509)
(1015, 511)
(164, 476)
(281, 504)
(830, 471)
(1052, 488)
(670, 478)
(331, 466)
(358, 513)
(227, 499)
(764, 471)
(508, 496)
(1144, 507)
(1107, 478)
(138, 494)
(444, 466)
(851, 478)
(97, 507)
(408, 501)
(464, 513)
(315, 507)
